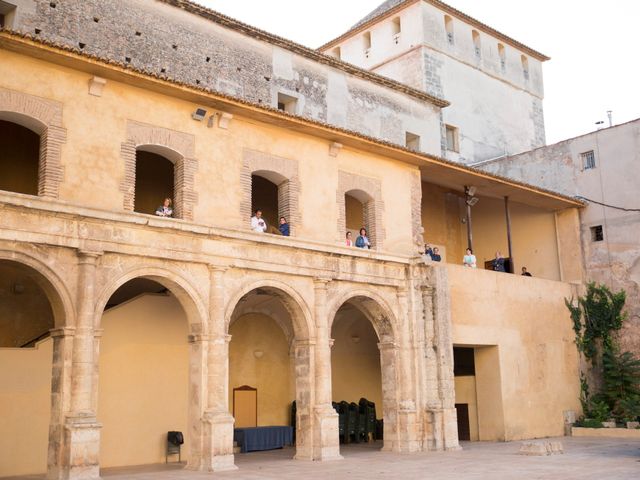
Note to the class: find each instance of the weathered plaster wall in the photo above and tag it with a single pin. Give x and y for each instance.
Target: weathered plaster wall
(496, 108)
(143, 380)
(614, 261)
(25, 403)
(172, 42)
(94, 168)
(270, 374)
(529, 324)
(441, 220)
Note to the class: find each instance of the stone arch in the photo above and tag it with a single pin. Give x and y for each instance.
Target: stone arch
(293, 302)
(186, 294)
(369, 192)
(178, 147)
(43, 117)
(54, 287)
(283, 172)
(378, 311)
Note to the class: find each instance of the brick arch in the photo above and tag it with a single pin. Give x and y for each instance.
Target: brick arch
(279, 170)
(371, 192)
(44, 117)
(178, 147)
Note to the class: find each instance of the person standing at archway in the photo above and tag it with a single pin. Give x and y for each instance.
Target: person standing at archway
(258, 224)
(165, 210)
(363, 241)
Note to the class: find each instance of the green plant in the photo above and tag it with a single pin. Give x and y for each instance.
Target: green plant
(589, 423)
(596, 318)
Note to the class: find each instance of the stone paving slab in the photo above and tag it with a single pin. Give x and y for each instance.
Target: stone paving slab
(584, 458)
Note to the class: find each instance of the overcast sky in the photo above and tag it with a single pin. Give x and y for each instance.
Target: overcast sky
(594, 46)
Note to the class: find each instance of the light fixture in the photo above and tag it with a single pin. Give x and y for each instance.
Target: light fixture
(258, 353)
(471, 201)
(471, 191)
(199, 114)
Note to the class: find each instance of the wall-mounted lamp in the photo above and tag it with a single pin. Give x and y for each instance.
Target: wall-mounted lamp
(199, 114)
(258, 353)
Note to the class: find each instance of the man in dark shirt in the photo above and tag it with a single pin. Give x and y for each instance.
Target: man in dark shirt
(525, 273)
(435, 255)
(498, 263)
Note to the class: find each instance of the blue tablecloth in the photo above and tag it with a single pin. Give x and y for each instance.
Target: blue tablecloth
(262, 438)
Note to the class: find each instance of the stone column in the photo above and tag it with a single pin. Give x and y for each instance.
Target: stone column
(326, 436)
(390, 401)
(407, 413)
(217, 421)
(304, 367)
(60, 398)
(433, 431)
(443, 418)
(80, 454)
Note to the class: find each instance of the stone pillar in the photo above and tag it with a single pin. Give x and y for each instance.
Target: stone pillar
(407, 413)
(81, 443)
(326, 436)
(60, 397)
(442, 417)
(304, 368)
(217, 421)
(388, 354)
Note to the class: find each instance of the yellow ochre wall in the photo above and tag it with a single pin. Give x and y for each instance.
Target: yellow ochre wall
(355, 367)
(466, 393)
(94, 169)
(143, 380)
(270, 374)
(525, 348)
(25, 408)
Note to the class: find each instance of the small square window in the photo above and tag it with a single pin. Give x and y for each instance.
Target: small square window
(287, 103)
(452, 138)
(588, 160)
(412, 141)
(7, 14)
(1, 20)
(597, 234)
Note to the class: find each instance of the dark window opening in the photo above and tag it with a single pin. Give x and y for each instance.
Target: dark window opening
(154, 182)
(1, 20)
(463, 362)
(597, 233)
(264, 196)
(19, 159)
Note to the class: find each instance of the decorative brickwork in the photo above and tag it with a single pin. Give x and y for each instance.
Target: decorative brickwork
(416, 204)
(281, 171)
(44, 117)
(177, 147)
(372, 204)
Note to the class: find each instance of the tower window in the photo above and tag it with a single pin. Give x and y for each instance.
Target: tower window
(476, 42)
(7, 13)
(412, 141)
(337, 53)
(287, 103)
(452, 138)
(525, 66)
(396, 29)
(597, 234)
(366, 41)
(448, 26)
(503, 56)
(588, 160)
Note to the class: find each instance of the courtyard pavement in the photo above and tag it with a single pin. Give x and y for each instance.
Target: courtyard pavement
(584, 458)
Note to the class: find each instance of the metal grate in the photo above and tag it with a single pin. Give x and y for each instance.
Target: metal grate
(588, 160)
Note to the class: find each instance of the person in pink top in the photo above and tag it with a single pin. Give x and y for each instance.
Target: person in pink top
(349, 242)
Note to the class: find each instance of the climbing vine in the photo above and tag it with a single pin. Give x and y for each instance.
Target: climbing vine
(596, 317)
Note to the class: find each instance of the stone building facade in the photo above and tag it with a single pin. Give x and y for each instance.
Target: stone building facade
(437, 49)
(91, 147)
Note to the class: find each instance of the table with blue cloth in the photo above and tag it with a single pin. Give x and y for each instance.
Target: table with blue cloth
(262, 438)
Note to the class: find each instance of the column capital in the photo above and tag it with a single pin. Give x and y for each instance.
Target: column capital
(402, 292)
(62, 332)
(89, 255)
(97, 332)
(427, 289)
(304, 343)
(321, 282)
(218, 268)
(387, 346)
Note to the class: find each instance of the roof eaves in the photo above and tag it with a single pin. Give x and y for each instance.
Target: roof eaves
(447, 8)
(433, 159)
(309, 53)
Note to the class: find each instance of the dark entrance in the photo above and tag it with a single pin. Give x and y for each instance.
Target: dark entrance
(464, 431)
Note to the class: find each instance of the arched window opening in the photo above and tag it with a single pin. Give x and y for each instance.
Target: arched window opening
(525, 66)
(154, 182)
(475, 35)
(19, 158)
(270, 193)
(144, 378)
(448, 26)
(502, 55)
(396, 28)
(359, 213)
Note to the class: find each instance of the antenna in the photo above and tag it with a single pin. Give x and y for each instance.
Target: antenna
(609, 114)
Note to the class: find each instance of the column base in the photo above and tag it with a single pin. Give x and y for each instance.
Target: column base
(217, 455)
(80, 452)
(326, 434)
(407, 432)
(442, 431)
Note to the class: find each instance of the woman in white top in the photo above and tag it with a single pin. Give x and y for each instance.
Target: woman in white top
(469, 259)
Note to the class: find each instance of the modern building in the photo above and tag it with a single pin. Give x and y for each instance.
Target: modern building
(597, 167)
(117, 325)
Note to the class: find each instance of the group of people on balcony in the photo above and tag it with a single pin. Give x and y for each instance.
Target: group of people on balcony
(361, 242)
(259, 225)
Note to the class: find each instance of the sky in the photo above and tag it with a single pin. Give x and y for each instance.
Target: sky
(594, 46)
